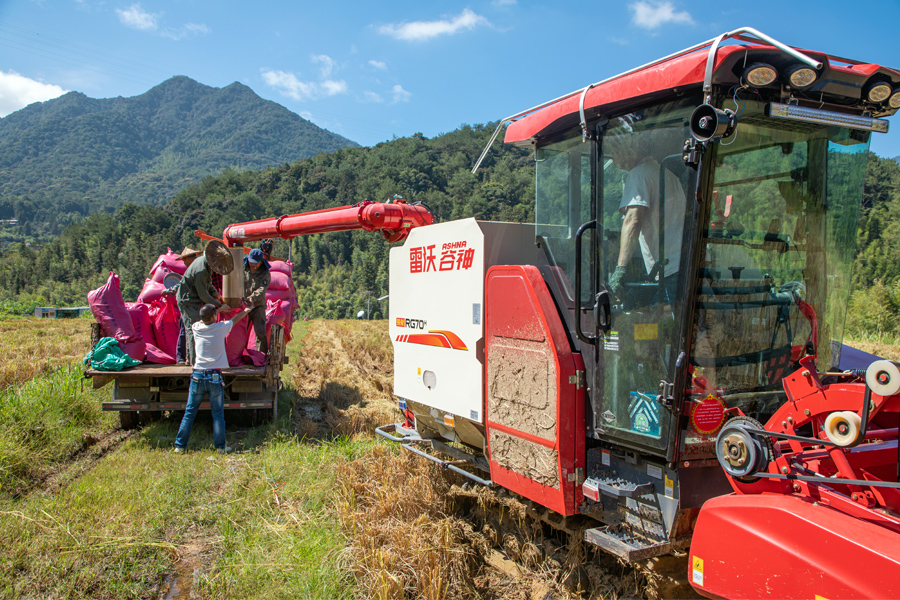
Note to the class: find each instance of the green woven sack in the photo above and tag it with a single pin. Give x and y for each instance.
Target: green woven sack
(107, 356)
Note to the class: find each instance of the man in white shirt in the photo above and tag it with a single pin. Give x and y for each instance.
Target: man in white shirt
(206, 378)
(640, 207)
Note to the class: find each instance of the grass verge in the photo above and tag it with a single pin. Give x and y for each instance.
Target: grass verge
(45, 421)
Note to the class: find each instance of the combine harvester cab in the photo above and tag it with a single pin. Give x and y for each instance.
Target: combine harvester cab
(656, 358)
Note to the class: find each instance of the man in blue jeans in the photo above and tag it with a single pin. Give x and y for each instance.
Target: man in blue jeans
(206, 378)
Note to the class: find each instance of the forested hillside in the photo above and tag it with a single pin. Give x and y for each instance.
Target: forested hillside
(66, 158)
(336, 272)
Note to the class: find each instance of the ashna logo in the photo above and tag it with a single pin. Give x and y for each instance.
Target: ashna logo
(411, 323)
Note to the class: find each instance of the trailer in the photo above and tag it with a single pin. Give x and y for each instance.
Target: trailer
(143, 392)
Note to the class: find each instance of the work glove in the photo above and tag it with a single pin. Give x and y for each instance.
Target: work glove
(616, 281)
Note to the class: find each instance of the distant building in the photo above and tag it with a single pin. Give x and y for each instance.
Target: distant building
(52, 312)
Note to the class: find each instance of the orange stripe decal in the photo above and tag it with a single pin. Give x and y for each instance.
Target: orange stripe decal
(437, 338)
(455, 342)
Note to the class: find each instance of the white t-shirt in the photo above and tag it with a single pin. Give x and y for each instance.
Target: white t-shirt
(642, 189)
(209, 344)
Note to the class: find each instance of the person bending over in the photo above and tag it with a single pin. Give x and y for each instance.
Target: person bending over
(206, 378)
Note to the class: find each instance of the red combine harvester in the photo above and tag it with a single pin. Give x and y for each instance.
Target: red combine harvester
(658, 353)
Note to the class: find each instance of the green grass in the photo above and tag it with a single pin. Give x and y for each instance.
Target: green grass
(43, 421)
(260, 523)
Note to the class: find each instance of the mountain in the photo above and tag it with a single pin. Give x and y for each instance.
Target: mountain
(74, 155)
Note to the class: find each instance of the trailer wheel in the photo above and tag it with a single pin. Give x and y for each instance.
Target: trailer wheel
(273, 412)
(129, 419)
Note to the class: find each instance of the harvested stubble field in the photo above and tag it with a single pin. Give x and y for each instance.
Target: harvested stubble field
(34, 347)
(312, 506)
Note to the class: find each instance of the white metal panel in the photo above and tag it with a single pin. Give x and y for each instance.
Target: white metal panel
(437, 309)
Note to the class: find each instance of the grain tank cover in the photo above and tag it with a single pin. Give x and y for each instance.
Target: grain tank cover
(437, 309)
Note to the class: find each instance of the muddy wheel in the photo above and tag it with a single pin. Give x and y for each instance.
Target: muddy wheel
(129, 419)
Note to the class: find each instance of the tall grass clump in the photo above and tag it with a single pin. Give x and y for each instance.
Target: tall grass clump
(43, 421)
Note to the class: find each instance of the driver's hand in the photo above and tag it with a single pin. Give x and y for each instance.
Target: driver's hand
(616, 281)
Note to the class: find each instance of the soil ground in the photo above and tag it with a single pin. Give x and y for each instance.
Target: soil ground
(313, 506)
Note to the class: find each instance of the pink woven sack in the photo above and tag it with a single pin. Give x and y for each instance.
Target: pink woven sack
(109, 309)
(170, 261)
(140, 318)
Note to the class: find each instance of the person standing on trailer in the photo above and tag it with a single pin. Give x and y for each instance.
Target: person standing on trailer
(256, 282)
(206, 377)
(196, 289)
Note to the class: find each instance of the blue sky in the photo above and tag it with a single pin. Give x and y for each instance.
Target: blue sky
(374, 70)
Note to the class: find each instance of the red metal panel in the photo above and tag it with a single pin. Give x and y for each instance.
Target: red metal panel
(779, 546)
(520, 309)
(681, 72)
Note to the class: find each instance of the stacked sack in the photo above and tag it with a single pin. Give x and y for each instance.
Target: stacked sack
(281, 297)
(134, 324)
(147, 329)
(154, 318)
(281, 300)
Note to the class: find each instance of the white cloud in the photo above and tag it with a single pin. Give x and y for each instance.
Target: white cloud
(289, 85)
(372, 97)
(326, 62)
(18, 91)
(380, 65)
(654, 13)
(188, 30)
(399, 94)
(504, 2)
(419, 31)
(137, 18)
(198, 28)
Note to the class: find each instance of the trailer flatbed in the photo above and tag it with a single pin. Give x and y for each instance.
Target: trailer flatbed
(152, 388)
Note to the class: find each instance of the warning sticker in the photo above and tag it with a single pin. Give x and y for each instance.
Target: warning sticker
(670, 487)
(697, 570)
(708, 415)
(646, 331)
(611, 341)
(604, 457)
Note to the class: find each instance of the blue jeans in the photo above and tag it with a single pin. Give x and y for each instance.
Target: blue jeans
(203, 382)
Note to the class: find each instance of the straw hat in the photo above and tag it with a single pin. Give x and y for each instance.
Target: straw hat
(218, 257)
(188, 253)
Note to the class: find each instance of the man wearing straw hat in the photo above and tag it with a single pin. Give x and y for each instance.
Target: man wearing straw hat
(187, 256)
(196, 289)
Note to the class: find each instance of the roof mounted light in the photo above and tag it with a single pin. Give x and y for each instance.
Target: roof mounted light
(894, 102)
(760, 75)
(801, 76)
(825, 117)
(877, 92)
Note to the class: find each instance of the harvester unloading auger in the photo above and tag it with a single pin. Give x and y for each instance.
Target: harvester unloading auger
(685, 282)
